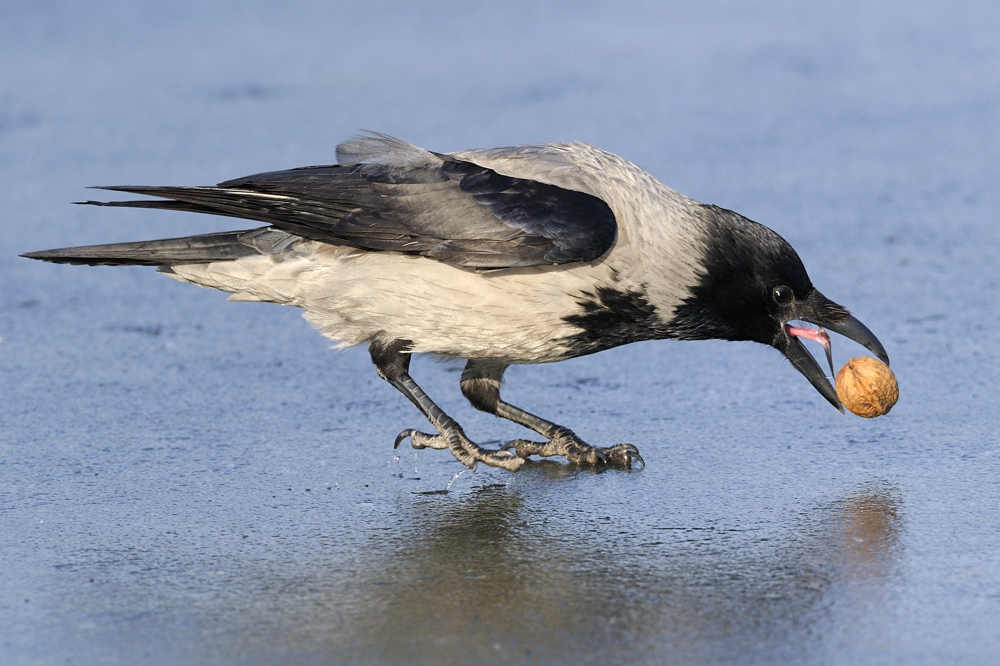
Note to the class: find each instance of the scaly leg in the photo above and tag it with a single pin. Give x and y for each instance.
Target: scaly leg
(393, 364)
(481, 386)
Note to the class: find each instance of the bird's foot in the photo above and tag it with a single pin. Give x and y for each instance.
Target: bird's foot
(565, 443)
(467, 451)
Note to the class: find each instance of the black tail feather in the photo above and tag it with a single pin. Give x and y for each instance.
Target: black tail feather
(304, 216)
(203, 249)
(162, 205)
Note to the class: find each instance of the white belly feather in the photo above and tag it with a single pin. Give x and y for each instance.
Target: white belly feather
(352, 296)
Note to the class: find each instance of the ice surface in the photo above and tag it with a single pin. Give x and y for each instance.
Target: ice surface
(185, 480)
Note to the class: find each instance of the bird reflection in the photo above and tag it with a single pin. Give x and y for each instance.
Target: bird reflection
(491, 578)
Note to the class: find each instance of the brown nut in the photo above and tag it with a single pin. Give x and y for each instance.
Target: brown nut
(867, 387)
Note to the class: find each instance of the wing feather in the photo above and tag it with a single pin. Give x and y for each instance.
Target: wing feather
(448, 209)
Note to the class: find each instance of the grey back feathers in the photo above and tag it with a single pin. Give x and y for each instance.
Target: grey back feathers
(381, 149)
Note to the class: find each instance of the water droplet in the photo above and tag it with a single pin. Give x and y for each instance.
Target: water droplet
(457, 474)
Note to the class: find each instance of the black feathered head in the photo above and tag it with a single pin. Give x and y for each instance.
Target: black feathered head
(752, 285)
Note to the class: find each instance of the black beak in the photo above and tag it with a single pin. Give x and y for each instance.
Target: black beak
(807, 365)
(855, 330)
(819, 310)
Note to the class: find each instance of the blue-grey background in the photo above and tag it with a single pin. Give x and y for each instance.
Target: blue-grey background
(186, 480)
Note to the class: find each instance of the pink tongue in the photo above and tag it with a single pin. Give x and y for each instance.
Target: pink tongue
(814, 334)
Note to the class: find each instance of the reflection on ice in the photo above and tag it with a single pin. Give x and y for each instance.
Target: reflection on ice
(485, 578)
(869, 524)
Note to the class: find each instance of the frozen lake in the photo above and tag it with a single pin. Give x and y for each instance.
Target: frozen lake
(186, 480)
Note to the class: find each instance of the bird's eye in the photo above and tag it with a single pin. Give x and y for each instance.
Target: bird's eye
(782, 295)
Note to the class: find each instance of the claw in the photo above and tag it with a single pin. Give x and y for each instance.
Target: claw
(624, 454)
(403, 435)
(633, 454)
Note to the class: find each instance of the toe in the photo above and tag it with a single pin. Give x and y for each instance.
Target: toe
(421, 440)
(504, 459)
(523, 447)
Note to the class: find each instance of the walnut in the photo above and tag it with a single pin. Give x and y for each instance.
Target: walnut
(867, 387)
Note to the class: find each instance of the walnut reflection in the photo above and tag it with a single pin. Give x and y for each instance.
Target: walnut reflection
(869, 531)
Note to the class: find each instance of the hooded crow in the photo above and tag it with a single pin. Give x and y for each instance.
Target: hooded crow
(525, 254)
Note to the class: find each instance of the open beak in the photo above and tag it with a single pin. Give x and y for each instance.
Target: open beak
(826, 314)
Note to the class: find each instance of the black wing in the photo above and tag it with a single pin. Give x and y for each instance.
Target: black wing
(456, 211)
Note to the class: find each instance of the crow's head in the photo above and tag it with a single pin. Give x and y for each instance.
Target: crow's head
(753, 287)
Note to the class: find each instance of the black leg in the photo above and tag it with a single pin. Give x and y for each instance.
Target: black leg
(392, 362)
(481, 382)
